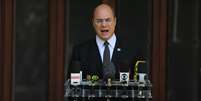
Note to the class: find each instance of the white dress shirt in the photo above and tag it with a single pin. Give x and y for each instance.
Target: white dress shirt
(101, 47)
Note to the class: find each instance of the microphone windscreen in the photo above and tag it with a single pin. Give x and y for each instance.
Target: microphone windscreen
(109, 71)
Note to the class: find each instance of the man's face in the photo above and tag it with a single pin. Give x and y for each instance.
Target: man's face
(104, 22)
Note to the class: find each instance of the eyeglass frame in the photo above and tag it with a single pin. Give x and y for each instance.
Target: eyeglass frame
(101, 21)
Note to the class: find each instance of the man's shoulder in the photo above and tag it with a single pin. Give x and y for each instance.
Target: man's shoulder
(86, 44)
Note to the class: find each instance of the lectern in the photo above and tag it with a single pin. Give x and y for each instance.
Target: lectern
(91, 91)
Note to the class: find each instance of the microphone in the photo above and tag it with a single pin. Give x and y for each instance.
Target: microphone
(142, 77)
(76, 73)
(136, 69)
(94, 79)
(124, 72)
(109, 72)
(124, 78)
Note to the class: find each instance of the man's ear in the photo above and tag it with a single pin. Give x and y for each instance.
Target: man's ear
(92, 22)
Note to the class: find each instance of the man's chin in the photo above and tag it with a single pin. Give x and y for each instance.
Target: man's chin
(105, 38)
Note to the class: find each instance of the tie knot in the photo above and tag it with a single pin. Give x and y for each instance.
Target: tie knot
(106, 43)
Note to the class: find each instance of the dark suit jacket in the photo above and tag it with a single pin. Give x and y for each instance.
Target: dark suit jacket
(87, 54)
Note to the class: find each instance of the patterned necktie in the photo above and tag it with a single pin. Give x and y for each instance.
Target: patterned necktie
(106, 54)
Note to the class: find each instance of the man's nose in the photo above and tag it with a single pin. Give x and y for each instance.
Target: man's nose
(103, 23)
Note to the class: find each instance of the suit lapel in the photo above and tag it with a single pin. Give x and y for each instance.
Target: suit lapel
(116, 57)
(96, 65)
(116, 52)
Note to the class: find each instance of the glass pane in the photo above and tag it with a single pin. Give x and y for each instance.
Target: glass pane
(183, 55)
(31, 50)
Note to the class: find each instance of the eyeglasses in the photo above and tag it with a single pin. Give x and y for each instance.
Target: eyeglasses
(101, 21)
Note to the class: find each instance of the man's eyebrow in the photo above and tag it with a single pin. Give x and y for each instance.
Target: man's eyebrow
(103, 19)
(98, 19)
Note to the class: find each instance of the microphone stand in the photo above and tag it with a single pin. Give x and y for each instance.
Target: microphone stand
(109, 84)
(136, 69)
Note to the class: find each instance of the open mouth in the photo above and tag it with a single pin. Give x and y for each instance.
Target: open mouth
(104, 31)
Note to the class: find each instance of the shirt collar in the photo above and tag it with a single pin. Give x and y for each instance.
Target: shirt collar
(111, 41)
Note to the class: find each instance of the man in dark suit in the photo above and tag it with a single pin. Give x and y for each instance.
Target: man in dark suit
(104, 55)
